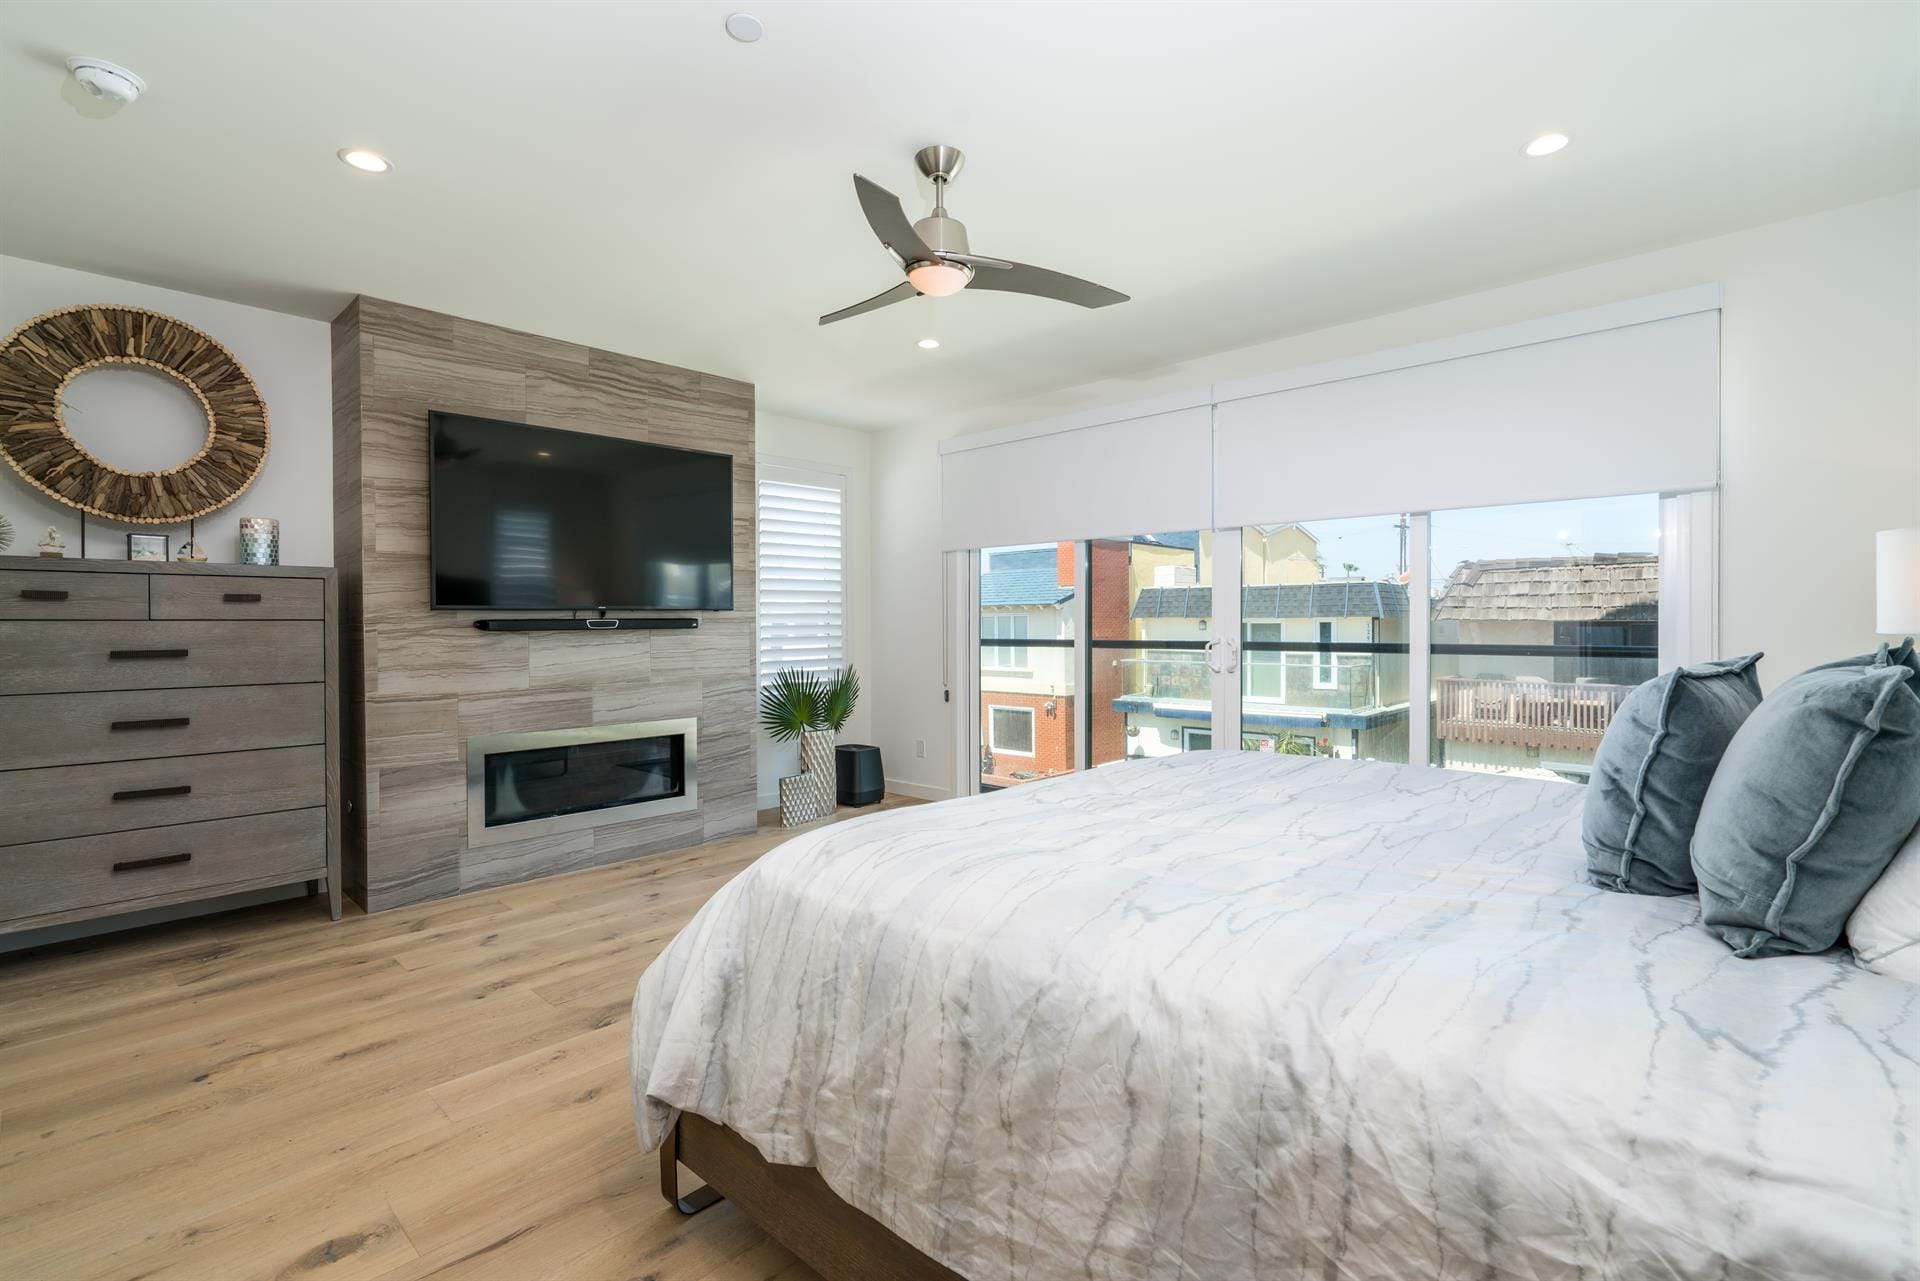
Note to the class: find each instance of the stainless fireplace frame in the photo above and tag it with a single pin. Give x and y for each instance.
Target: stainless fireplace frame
(478, 833)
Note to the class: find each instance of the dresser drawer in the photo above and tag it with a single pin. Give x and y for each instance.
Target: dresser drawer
(126, 867)
(29, 593)
(42, 658)
(78, 729)
(79, 800)
(223, 596)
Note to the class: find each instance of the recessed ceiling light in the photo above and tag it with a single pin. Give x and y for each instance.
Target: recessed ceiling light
(543, 453)
(1546, 144)
(927, 344)
(744, 27)
(366, 161)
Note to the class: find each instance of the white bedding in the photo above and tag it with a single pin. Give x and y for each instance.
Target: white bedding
(1235, 1015)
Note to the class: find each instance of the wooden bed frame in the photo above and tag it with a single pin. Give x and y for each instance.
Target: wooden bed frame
(791, 1202)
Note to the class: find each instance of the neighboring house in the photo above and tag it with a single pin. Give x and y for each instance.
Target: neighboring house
(1543, 712)
(1026, 700)
(1343, 704)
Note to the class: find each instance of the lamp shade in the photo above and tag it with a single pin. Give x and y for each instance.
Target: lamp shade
(1897, 581)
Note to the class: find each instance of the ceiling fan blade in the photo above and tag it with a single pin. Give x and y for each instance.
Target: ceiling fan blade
(974, 260)
(899, 293)
(889, 222)
(1018, 278)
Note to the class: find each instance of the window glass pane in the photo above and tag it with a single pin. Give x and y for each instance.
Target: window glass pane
(1027, 607)
(1151, 618)
(1323, 638)
(1544, 617)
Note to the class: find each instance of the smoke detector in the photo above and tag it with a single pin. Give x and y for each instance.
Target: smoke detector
(107, 81)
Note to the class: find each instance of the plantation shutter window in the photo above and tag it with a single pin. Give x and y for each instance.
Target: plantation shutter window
(802, 571)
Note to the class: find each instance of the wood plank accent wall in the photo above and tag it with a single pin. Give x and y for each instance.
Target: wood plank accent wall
(420, 683)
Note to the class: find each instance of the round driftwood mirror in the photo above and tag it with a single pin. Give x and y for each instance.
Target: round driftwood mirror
(42, 358)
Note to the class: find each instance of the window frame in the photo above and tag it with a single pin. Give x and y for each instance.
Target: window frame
(1033, 731)
(1190, 732)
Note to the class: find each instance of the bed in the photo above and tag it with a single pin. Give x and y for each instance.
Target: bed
(1235, 1015)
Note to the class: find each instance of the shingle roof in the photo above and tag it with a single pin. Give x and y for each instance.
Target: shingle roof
(1288, 600)
(1023, 587)
(1615, 586)
(1023, 558)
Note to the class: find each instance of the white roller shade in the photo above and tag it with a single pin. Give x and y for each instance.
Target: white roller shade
(1632, 409)
(803, 594)
(1142, 475)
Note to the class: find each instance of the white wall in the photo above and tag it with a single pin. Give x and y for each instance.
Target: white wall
(801, 443)
(1820, 439)
(290, 359)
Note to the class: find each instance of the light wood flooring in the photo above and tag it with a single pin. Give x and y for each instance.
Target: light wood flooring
(436, 1091)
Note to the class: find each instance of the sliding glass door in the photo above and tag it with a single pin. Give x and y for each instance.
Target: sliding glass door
(1324, 634)
(1027, 617)
(1150, 617)
(1545, 616)
(1501, 639)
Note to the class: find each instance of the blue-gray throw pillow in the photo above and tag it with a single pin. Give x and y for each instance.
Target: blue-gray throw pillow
(1652, 770)
(1900, 655)
(1810, 803)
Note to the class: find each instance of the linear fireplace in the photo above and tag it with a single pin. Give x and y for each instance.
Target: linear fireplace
(521, 785)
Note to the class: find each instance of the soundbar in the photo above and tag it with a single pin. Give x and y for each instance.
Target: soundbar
(583, 624)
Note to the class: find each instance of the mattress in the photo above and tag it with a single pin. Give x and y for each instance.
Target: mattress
(1231, 1015)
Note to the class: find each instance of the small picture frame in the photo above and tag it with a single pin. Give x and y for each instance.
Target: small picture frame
(146, 547)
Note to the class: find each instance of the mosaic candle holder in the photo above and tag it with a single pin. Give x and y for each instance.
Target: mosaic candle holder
(259, 540)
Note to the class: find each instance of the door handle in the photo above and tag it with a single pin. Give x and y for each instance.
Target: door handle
(1223, 655)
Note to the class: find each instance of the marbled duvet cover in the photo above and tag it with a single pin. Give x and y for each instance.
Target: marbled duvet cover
(1228, 1016)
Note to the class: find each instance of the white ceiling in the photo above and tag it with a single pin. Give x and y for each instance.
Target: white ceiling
(625, 175)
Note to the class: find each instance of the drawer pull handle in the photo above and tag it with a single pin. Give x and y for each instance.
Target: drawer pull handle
(153, 793)
(241, 598)
(41, 593)
(146, 653)
(162, 722)
(135, 864)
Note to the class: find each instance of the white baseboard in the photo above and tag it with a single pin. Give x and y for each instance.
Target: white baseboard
(919, 791)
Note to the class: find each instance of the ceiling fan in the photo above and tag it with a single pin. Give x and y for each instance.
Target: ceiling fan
(935, 255)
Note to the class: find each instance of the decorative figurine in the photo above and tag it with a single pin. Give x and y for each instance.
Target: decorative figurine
(51, 544)
(190, 552)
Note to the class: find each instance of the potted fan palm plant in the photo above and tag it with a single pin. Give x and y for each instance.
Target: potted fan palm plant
(812, 708)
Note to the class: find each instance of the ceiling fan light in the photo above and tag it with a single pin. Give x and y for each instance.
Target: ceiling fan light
(938, 279)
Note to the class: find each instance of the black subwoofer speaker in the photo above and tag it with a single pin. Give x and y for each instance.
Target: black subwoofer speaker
(857, 771)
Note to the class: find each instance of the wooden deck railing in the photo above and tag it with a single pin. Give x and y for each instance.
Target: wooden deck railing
(1525, 713)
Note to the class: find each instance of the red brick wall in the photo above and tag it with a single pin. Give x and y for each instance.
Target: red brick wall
(1112, 620)
(1052, 737)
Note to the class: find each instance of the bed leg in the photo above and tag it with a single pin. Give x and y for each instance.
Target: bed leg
(695, 1201)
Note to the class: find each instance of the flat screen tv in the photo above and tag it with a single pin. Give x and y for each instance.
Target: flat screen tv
(533, 518)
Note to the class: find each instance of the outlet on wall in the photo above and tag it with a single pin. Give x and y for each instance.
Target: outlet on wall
(920, 748)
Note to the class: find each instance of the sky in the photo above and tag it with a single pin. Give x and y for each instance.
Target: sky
(1581, 528)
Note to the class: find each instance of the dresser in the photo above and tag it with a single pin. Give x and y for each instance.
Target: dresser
(168, 733)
